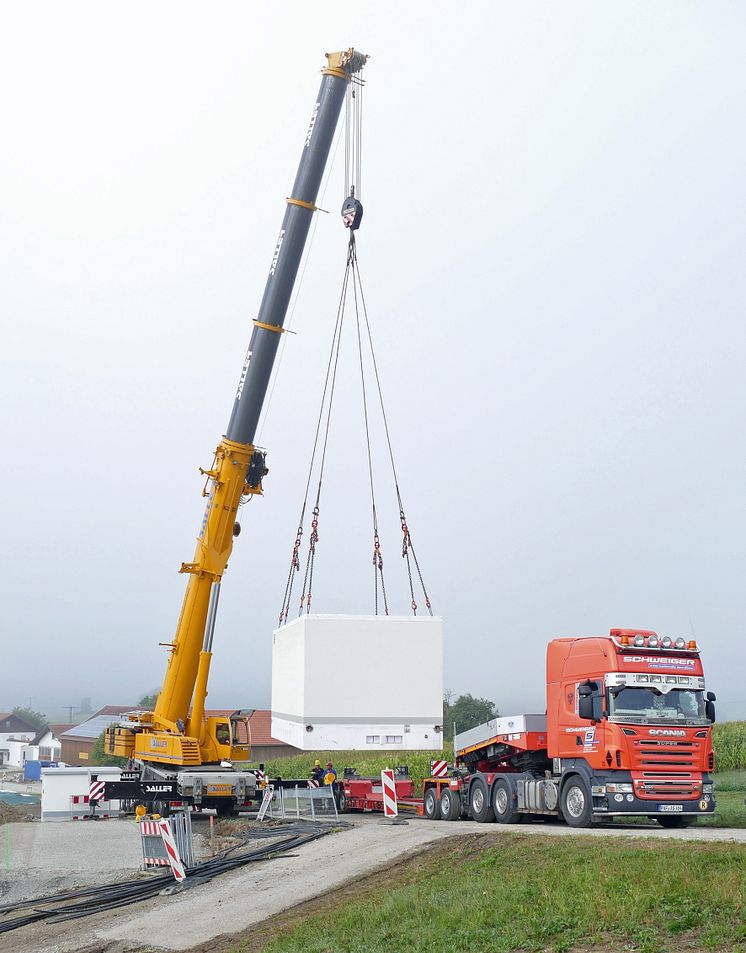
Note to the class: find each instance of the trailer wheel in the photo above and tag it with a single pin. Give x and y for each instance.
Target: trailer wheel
(342, 803)
(450, 805)
(432, 805)
(577, 807)
(503, 803)
(479, 803)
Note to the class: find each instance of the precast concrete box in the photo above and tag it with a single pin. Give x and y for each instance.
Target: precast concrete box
(64, 793)
(358, 682)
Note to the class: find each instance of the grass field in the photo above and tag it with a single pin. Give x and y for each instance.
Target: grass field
(532, 893)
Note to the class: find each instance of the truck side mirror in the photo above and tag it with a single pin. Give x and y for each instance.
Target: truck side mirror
(710, 707)
(585, 702)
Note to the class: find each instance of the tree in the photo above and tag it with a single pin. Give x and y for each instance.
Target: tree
(466, 711)
(148, 701)
(34, 718)
(100, 758)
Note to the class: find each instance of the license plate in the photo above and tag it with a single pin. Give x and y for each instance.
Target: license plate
(670, 808)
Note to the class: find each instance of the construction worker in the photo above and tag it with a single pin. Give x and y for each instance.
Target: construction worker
(330, 775)
(317, 772)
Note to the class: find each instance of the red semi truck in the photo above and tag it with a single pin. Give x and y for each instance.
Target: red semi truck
(627, 731)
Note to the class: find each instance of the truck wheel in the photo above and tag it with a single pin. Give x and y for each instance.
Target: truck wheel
(674, 821)
(432, 805)
(450, 805)
(577, 807)
(342, 803)
(503, 803)
(479, 803)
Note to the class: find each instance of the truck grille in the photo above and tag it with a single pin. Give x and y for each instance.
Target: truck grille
(647, 753)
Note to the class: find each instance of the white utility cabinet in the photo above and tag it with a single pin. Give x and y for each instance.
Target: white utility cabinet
(351, 682)
(64, 792)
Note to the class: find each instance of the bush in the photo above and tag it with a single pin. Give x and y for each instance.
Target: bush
(729, 741)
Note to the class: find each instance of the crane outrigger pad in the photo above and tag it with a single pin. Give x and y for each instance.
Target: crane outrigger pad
(356, 683)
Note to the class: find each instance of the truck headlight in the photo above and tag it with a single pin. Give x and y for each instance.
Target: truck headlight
(598, 790)
(619, 788)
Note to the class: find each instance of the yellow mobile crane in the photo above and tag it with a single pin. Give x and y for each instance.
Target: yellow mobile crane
(178, 751)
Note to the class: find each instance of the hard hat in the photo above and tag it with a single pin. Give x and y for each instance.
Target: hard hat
(317, 764)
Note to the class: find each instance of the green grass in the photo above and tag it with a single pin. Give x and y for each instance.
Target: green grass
(540, 894)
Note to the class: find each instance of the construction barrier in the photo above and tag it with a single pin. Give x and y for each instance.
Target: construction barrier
(154, 851)
(177, 867)
(388, 787)
(303, 801)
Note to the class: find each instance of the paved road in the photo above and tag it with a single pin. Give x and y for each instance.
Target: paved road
(263, 889)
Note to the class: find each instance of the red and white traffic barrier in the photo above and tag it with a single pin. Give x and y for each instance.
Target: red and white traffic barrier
(150, 829)
(177, 868)
(388, 787)
(96, 790)
(313, 784)
(438, 769)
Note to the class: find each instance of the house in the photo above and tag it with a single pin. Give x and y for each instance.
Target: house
(46, 744)
(263, 746)
(78, 741)
(15, 734)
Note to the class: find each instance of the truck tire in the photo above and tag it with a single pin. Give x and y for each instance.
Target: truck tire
(676, 820)
(479, 802)
(503, 803)
(450, 805)
(432, 805)
(576, 803)
(342, 803)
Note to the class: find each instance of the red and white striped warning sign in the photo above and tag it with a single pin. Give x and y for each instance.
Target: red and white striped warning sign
(313, 784)
(169, 843)
(438, 769)
(390, 807)
(96, 790)
(148, 830)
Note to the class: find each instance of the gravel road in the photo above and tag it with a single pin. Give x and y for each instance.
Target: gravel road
(235, 901)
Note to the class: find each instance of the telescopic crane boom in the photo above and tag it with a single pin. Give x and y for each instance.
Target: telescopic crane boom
(176, 733)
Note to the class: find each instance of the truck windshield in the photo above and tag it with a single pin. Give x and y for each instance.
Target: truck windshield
(639, 705)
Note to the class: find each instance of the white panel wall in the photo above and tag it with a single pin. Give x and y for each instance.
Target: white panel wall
(358, 682)
(59, 785)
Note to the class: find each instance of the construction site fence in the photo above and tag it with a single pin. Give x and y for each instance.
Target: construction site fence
(303, 801)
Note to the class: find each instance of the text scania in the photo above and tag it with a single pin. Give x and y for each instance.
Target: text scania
(280, 240)
(311, 125)
(668, 732)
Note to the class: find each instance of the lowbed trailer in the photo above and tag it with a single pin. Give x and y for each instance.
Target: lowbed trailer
(366, 794)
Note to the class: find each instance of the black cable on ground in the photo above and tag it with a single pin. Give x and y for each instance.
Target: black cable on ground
(121, 893)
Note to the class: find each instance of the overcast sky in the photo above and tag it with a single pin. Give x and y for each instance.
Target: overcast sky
(552, 254)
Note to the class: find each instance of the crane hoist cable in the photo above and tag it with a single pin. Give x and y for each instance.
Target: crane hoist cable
(352, 213)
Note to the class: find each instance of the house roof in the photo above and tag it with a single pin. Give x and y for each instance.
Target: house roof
(91, 729)
(19, 720)
(261, 725)
(113, 710)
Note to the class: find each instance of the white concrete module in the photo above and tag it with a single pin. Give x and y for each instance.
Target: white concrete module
(358, 682)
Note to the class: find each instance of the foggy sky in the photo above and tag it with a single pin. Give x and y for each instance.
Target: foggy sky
(552, 256)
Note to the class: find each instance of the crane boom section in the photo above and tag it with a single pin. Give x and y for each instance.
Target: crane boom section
(176, 731)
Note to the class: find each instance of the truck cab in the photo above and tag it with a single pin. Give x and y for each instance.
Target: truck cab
(629, 718)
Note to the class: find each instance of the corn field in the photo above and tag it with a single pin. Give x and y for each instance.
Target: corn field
(729, 740)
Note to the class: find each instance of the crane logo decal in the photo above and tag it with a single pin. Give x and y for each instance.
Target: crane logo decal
(311, 125)
(280, 240)
(244, 372)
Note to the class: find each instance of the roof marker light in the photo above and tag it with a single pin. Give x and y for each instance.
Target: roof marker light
(639, 640)
(680, 643)
(653, 642)
(693, 646)
(666, 642)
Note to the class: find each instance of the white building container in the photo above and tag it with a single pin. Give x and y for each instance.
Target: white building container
(64, 792)
(358, 682)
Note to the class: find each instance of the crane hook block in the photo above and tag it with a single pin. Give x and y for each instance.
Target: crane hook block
(352, 213)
